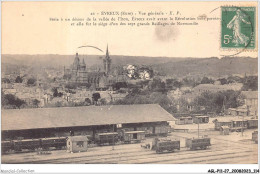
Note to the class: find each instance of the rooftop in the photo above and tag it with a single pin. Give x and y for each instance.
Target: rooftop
(37, 118)
(250, 94)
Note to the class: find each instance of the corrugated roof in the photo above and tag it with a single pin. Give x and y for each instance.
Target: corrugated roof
(230, 119)
(134, 132)
(201, 116)
(78, 138)
(17, 119)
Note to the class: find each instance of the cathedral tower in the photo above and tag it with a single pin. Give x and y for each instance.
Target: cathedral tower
(76, 63)
(82, 65)
(107, 63)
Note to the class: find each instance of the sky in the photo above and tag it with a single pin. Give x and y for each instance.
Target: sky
(27, 29)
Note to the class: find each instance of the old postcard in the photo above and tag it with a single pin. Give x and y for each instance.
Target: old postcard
(129, 83)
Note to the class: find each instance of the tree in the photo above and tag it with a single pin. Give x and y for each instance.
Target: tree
(6, 80)
(206, 80)
(157, 85)
(71, 86)
(177, 84)
(58, 104)
(149, 98)
(250, 83)
(223, 81)
(119, 85)
(234, 79)
(31, 82)
(215, 102)
(103, 101)
(143, 83)
(87, 85)
(36, 103)
(11, 101)
(87, 101)
(95, 97)
(18, 79)
(169, 83)
(191, 82)
(56, 93)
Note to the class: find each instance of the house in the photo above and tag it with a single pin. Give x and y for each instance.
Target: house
(239, 111)
(250, 107)
(251, 101)
(77, 144)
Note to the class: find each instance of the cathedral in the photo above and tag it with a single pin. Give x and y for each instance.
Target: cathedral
(79, 74)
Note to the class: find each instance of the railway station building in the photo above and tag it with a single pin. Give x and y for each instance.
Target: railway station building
(87, 120)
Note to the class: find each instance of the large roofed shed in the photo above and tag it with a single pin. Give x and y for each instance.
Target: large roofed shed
(41, 118)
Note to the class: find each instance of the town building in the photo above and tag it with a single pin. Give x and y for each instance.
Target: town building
(251, 101)
(250, 107)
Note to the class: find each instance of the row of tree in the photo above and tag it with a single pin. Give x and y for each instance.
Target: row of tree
(217, 102)
(249, 83)
(137, 96)
(9, 101)
(207, 102)
(30, 81)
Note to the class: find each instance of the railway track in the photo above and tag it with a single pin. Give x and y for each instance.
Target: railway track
(221, 151)
(150, 157)
(202, 159)
(125, 155)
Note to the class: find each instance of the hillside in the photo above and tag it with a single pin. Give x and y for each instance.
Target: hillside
(164, 65)
(209, 66)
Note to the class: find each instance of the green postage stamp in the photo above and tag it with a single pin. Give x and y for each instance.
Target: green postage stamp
(238, 27)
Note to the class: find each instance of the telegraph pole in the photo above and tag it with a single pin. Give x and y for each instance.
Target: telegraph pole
(242, 126)
(113, 137)
(198, 128)
(224, 107)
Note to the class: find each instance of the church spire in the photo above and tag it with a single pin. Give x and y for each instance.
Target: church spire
(83, 61)
(107, 53)
(107, 62)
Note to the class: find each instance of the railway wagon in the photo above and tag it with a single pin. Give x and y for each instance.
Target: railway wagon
(184, 120)
(7, 146)
(161, 146)
(56, 142)
(252, 123)
(238, 125)
(29, 144)
(106, 138)
(195, 143)
(200, 119)
(162, 130)
(148, 130)
(255, 136)
(133, 136)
